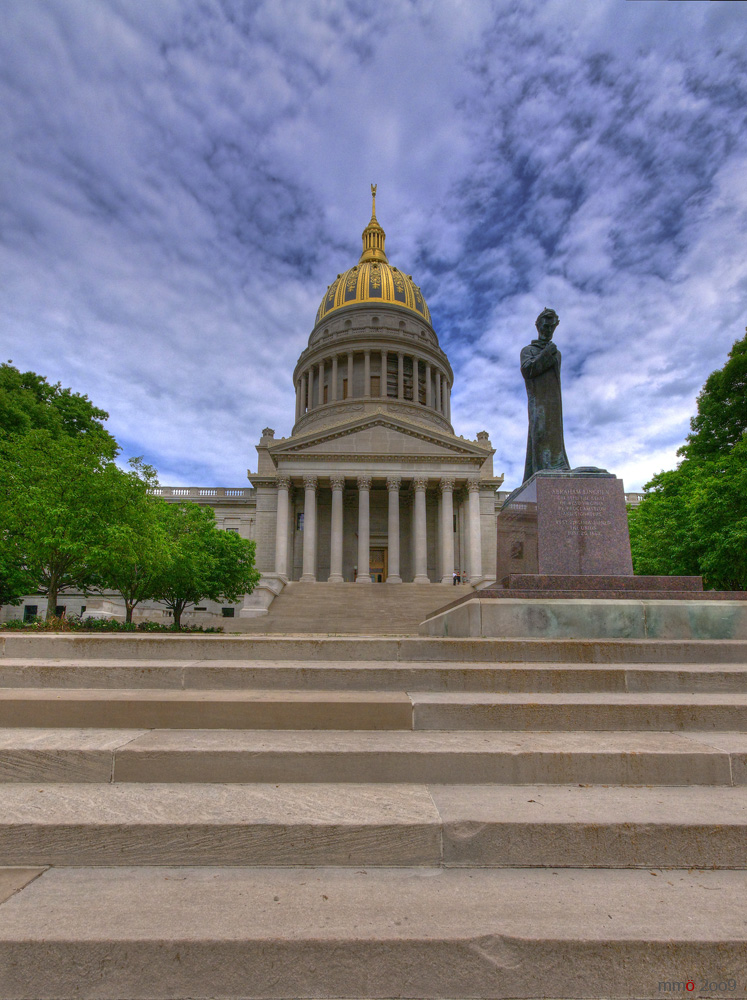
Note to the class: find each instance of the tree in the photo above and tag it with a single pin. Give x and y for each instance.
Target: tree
(28, 402)
(203, 562)
(693, 519)
(721, 420)
(55, 504)
(135, 547)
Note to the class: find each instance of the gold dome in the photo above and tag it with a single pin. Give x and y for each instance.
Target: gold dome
(373, 280)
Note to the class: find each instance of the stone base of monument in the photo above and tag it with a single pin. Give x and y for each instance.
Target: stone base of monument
(565, 523)
(565, 572)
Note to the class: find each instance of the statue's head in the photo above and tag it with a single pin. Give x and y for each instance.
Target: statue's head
(546, 323)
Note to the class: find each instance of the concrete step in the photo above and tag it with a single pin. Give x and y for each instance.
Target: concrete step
(372, 675)
(577, 711)
(390, 825)
(330, 932)
(352, 649)
(352, 609)
(477, 757)
(148, 708)
(152, 708)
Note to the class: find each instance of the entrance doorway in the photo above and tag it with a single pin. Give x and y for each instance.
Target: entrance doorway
(378, 565)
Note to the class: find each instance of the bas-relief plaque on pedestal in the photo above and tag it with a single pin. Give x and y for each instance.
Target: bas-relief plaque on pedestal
(561, 523)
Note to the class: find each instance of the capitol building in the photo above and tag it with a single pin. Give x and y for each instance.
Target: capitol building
(372, 486)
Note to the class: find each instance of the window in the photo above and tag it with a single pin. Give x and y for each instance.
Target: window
(30, 611)
(375, 385)
(299, 522)
(227, 612)
(344, 388)
(201, 609)
(60, 610)
(234, 530)
(325, 393)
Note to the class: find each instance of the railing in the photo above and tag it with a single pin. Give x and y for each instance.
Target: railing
(234, 492)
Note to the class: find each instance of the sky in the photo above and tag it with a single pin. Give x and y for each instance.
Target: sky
(180, 180)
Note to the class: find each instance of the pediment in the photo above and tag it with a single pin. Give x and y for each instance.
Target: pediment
(378, 435)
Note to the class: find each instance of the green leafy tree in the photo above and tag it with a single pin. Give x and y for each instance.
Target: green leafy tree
(15, 579)
(203, 562)
(135, 547)
(55, 503)
(693, 519)
(29, 402)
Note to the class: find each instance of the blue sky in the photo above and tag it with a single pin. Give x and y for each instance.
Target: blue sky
(180, 181)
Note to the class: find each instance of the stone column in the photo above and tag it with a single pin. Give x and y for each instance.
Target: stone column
(447, 530)
(393, 484)
(333, 387)
(364, 530)
(350, 374)
(320, 379)
(382, 387)
(335, 542)
(309, 530)
(428, 386)
(419, 486)
(304, 398)
(366, 373)
(281, 527)
(438, 390)
(475, 541)
(311, 388)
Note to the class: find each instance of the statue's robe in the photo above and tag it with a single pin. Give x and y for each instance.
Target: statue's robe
(540, 366)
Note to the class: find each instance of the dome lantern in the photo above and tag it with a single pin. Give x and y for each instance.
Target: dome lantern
(373, 280)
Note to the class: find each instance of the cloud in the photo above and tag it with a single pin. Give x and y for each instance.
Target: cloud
(180, 182)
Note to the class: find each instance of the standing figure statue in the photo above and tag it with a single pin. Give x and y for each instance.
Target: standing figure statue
(540, 366)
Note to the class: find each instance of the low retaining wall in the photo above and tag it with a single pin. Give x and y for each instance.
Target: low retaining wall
(585, 618)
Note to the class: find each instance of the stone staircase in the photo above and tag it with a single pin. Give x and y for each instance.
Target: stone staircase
(253, 816)
(350, 609)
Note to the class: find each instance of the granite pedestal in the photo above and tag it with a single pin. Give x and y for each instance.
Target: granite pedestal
(565, 523)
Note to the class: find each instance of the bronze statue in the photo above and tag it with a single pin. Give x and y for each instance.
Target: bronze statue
(540, 366)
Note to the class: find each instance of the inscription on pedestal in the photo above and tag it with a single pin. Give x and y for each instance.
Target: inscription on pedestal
(565, 524)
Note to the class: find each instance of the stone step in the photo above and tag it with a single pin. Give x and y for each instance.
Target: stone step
(477, 757)
(578, 711)
(351, 649)
(388, 825)
(338, 932)
(149, 708)
(372, 675)
(349, 608)
(229, 708)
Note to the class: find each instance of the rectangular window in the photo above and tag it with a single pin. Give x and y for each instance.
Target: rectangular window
(60, 610)
(375, 385)
(30, 611)
(201, 609)
(325, 394)
(344, 388)
(227, 612)
(234, 530)
(299, 522)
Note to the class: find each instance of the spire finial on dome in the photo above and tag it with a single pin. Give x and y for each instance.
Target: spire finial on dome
(373, 235)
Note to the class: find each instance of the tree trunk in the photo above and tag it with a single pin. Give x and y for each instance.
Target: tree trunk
(52, 596)
(128, 611)
(178, 608)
